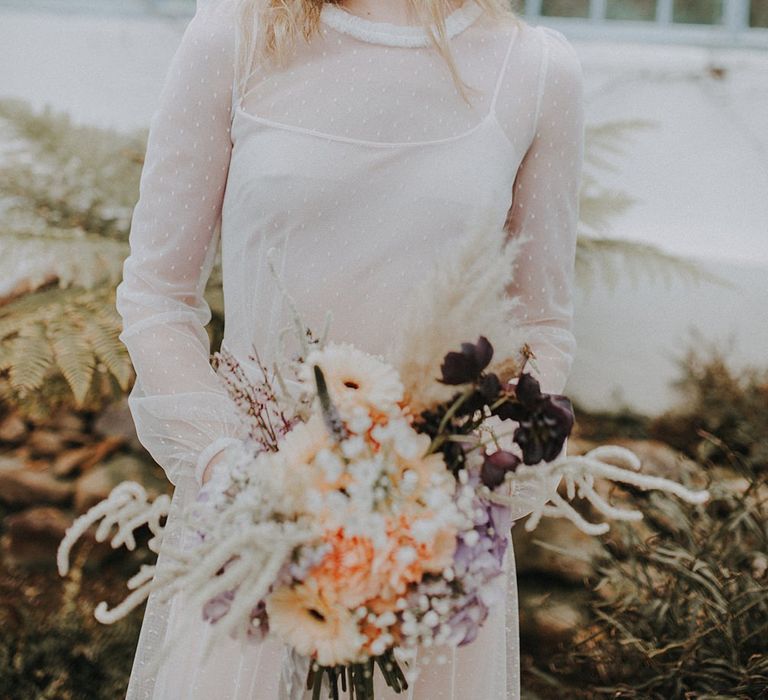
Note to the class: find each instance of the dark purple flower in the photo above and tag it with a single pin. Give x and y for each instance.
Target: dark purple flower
(466, 366)
(259, 623)
(496, 466)
(542, 435)
(545, 420)
(474, 402)
(489, 387)
(528, 389)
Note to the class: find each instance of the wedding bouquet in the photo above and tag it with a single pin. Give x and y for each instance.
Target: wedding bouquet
(352, 526)
(368, 512)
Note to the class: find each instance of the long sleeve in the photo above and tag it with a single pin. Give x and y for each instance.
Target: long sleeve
(182, 411)
(545, 212)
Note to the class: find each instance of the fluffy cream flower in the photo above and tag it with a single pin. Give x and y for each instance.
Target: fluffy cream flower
(311, 461)
(355, 379)
(307, 621)
(301, 445)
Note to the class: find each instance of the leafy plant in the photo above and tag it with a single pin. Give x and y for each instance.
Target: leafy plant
(683, 613)
(679, 602)
(74, 331)
(67, 192)
(723, 411)
(52, 648)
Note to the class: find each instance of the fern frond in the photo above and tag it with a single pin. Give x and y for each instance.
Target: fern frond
(74, 358)
(103, 339)
(32, 356)
(609, 139)
(70, 333)
(614, 259)
(32, 259)
(600, 255)
(598, 206)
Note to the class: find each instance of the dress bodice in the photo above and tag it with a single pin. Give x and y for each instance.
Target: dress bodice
(355, 219)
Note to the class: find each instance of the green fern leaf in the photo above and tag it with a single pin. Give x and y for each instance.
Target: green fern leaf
(74, 358)
(32, 356)
(108, 349)
(613, 260)
(68, 332)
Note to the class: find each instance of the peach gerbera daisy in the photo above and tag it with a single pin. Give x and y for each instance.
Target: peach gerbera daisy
(355, 378)
(304, 618)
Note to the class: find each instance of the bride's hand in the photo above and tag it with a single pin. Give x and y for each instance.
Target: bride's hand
(211, 466)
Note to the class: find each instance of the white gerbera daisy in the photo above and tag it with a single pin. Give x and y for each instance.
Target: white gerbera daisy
(355, 379)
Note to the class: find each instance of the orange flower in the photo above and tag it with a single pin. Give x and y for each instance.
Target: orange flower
(401, 562)
(346, 572)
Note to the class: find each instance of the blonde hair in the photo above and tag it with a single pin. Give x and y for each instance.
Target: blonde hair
(267, 30)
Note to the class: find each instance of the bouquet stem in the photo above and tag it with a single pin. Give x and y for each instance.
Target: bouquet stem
(357, 679)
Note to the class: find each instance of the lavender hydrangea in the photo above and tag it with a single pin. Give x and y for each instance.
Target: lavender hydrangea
(479, 564)
(452, 610)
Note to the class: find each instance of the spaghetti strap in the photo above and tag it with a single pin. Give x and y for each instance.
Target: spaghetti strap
(543, 72)
(234, 100)
(503, 71)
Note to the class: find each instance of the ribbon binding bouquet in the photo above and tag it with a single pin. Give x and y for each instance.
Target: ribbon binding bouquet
(368, 511)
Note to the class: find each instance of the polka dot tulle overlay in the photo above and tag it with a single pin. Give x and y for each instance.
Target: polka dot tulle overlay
(357, 165)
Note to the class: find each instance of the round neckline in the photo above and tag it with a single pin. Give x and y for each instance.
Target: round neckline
(405, 35)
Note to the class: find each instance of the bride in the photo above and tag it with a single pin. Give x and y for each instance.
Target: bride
(359, 140)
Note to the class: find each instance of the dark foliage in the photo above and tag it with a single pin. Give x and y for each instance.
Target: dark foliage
(52, 647)
(720, 407)
(679, 608)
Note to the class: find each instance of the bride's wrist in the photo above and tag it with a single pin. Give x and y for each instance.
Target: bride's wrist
(210, 468)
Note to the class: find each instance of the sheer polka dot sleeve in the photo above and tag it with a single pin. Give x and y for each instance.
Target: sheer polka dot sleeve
(183, 414)
(545, 211)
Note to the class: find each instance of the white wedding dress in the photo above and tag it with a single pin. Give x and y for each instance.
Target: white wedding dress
(360, 164)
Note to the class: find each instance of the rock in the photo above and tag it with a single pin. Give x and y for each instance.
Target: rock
(572, 564)
(12, 429)
(45, 442)
(84, 458)
(68, 422)
(68, 462)
(659, 459)
(578, 446)
(21, 485)
(550, 618)
(33, 536)
(116, 421)
(97, 484)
